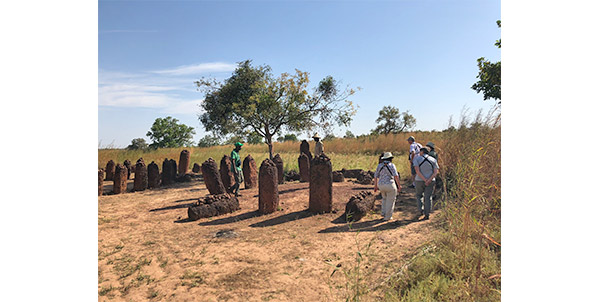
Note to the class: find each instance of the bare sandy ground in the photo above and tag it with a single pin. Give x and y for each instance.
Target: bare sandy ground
(148, 251)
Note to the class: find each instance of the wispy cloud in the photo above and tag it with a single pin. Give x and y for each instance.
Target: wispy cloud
(198, 69)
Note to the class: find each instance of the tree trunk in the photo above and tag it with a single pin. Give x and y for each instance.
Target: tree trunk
(270, 144)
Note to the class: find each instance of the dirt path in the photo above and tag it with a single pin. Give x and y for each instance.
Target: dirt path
(148, 251)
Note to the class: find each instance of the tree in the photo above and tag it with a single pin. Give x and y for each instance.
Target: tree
(138, 144)
(252, 99)
(349, 134)
(168, 133)
(209, 141)
(489, 76)
(392, 121)
(288, 138)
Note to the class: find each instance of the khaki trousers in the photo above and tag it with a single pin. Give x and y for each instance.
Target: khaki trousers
(388, 192)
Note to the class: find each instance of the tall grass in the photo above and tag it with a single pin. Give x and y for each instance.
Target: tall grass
(359, 153)
(463, 263)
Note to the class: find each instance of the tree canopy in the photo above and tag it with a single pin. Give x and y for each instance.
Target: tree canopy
(489, 76)
(252, 99)
(138, 144)
(390, 120)
(168, 133)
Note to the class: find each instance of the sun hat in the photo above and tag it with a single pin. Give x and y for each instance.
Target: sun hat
(238, 144)
(430, 145)
(387, 155)
(411, 138)
(316, 135)
(425, 150)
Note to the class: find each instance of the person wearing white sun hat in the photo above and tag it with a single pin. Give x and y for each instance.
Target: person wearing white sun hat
(318, 145)
(386, 178)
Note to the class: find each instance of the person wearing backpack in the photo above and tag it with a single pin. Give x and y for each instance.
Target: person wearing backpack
(413, 152)
(427, 169)
(388, 181)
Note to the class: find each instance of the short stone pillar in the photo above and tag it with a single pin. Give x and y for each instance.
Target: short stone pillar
(130, 168)
(169, 171)
(359, 205)
(250, 172)
(226, 174)
(153, 175)
(120, 179)
(304, 167)
(196, 168)
(268, 191)
(100, 181)
(184, 162)
(140, 182)
(321, 182)
(212, 177)
(110, 170)
(305, 149)
(279, 163)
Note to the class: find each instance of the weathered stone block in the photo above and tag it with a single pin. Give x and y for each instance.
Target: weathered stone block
(110, 170)
(213, 205)
(130, 168)
(153, 175)
(250, 172)
(212, 177)
(305, 149)
(279, 163)
(292, 176)
(268, 187)
(140, 182)
(321, 182)
(100, 181)
(226, 174)
(169, 171)
(184, 162)
(120, 179)
(359, 205)
(196, 168)
(304, 167)
(352, 173)
(338, 176)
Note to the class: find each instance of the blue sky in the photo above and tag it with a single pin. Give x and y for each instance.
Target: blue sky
(415, 55)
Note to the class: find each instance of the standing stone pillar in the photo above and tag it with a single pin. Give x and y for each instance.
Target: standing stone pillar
(320, 188)
(169, 171)
(120, 179)
(279, 163)
(153, 175)
(129, 167)
(140, 182)
(212, 177)
(268, 191)
(110, 170)
(184, 162)
(305, 149)
(304, 167)
(226, 175)
(250, 173)
(100, 181)
(196, 168)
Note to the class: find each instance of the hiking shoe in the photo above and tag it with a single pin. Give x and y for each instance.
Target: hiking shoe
(422, 212)
(426, 217)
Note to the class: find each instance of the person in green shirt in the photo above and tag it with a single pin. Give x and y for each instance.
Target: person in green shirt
(236, 168)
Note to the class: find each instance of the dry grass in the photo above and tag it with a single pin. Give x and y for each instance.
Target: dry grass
(462, 263)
